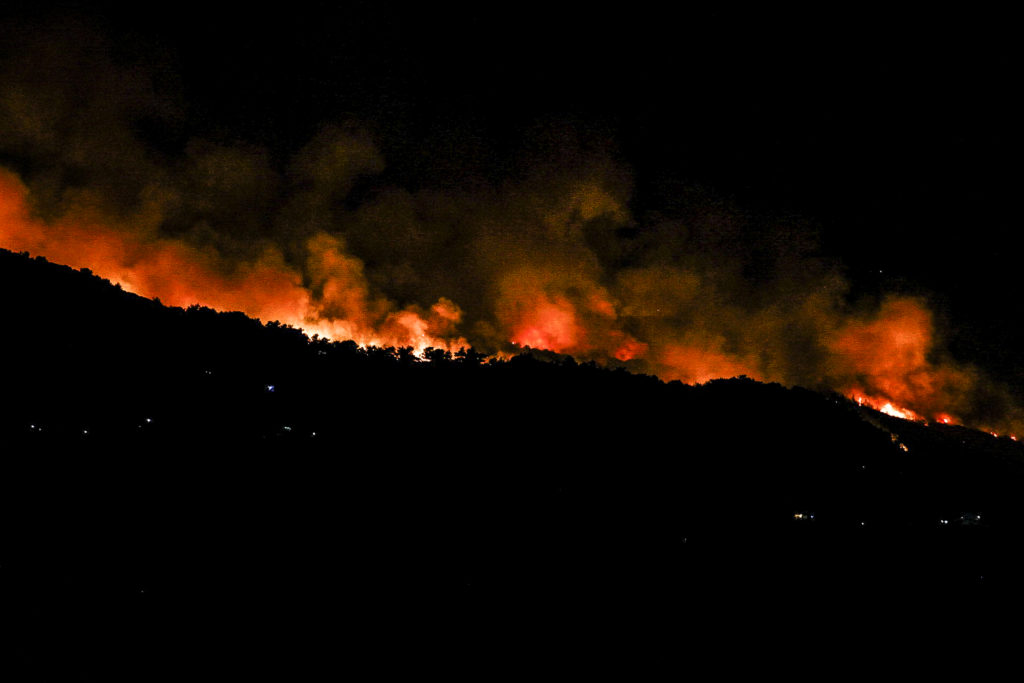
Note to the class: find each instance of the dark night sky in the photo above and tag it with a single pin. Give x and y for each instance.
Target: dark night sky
(894, 133)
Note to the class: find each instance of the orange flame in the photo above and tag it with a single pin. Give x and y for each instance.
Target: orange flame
(666, 319)
(885, 406)
(887, 357)
(340, 307)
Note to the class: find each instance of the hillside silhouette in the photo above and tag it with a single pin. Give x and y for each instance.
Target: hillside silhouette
(185, 488)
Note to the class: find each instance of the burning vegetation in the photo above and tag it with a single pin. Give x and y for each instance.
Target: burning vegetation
(554, 259)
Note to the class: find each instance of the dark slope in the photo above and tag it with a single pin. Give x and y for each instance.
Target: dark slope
(187, 490)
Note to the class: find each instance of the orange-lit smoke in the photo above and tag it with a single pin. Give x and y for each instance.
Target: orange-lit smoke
(678, 318)
(554, 260)
(339, 305)
(887, 361)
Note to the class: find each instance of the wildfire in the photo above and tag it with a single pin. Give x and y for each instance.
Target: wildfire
(552, 256)
(631, 349)
(903, 413)
(668, 321)
(550, 325)
(341, 308)
(887, 407)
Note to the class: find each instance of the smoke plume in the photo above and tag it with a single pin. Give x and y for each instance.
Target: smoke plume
(554, 258)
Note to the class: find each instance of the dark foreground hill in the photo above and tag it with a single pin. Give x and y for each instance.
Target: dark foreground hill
(187, 491)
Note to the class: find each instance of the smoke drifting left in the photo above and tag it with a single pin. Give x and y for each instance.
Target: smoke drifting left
(554, 257)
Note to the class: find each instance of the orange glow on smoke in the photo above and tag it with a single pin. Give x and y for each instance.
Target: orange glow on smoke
(889, 350)
(269, 289)
(548, 324)
(681, 322)
(695, 365)
(630, 350)
(544, 322)
(886, 355)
